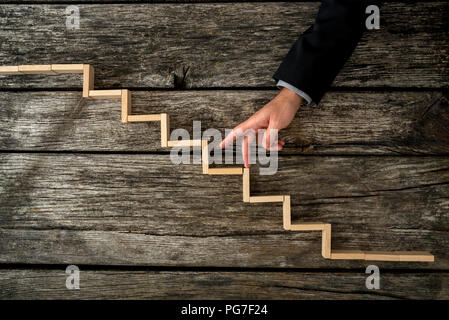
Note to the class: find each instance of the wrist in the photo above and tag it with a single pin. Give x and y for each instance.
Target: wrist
(292, 97)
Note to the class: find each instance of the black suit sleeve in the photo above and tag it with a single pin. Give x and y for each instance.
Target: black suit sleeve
(315, 59)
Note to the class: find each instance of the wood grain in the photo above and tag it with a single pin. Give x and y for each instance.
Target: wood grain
(191, 46)
(123, 284)
(380, 123)
(373, 163)
(172, 1)
(143, 210)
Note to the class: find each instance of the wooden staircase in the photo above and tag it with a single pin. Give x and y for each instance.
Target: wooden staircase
(127, 117)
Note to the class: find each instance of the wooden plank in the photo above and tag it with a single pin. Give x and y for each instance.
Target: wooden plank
(144, 118)
(171, 1)
(141, 284)
(191, 60)
(165, 130)
(88, 79)
(347, 254)
(79, 204)
(129, 248)
(307, 226)
(126, 105)
(184, 143)
(105, 94)
(205, 156)
(36, 69)
(67, 68)
(406, 256)
(391, 123)
(382, 256)
(326, 241)
(286, 213)
(246, 184)
(9, 70)
(225, 171)
(256, 199)
(417, 256)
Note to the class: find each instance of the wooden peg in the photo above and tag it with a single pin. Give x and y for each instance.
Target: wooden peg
(126, 105)
(246, 185)
(326, 241)
(286, 213)
(165, 129)
(5, 70)
(36, 69)
(418, 256)
(144, 118)
(184, 143)
(382, 256)
(67, 68)
(218, 171)
(105, 94)
(347, 255)
(205, 156)
(88, 80)
(256, 199)
(308, 226)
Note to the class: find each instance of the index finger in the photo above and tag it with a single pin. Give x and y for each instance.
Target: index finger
(234, 134)
(246, 153)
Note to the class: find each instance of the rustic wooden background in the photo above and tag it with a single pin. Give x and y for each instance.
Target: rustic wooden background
(79, 187)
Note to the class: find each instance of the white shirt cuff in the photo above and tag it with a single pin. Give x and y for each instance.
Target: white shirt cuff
(300, 93)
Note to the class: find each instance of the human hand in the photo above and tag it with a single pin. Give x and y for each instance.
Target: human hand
(275, 115)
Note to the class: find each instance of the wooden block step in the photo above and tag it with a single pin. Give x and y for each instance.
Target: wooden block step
(5, 70)
(105, 94)
(308, 226)
(326, 241)
(67, 68)
(382, 256)
(347, 255)
(126, 105)
(36, 69)
(404, 256)
(217, 171)
(184, 143)
(88, 80)
(246, 190)
(257, 199)
(419, 256)
(144, 118)
(286, 213)
(165, 129)
(205, 156)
